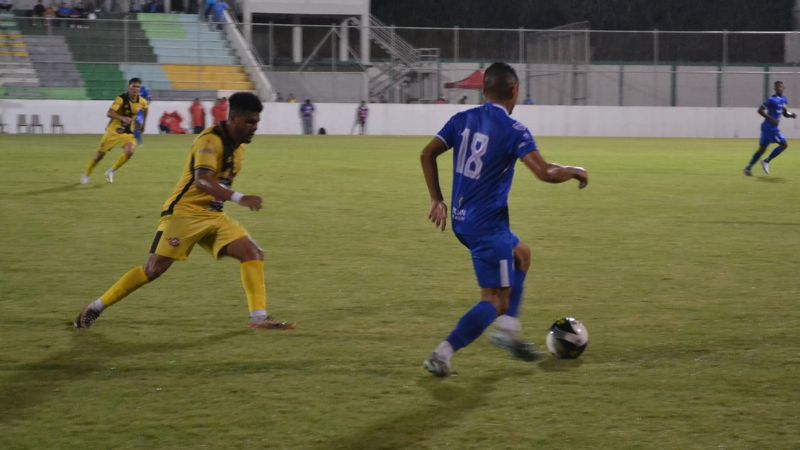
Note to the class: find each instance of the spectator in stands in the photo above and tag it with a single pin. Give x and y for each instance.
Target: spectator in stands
(383, 99)
(528, 100)
(209, 8)
(307, 117)
(278, 97)
(219, 112)
(6, 5)
(462, 100)
(219, 12)
(198, 115)
(291, 99)
(440, 101)
(38, 14)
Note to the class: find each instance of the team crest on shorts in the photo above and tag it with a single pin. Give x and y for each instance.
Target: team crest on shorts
(174, 242)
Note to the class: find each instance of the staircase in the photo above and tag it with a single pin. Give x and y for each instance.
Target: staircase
(406, 63)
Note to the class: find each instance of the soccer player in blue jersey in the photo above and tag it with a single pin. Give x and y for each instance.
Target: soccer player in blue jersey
(772, 109)
(487, 143)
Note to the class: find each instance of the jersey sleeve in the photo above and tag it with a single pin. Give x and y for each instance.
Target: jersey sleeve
(524, 142)
(145, 104)
(117, 105)
(448, 133)
(207, 152)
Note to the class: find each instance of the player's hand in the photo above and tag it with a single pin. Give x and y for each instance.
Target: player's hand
(438, 214)
(581, 175)
(126, 120)
(251, 201)
(774, 121)
(793, 115)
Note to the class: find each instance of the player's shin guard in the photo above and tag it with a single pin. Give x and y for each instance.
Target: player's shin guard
(775, 153)
(472, 325)
(131, 281)
(123, 158)
(254, 286)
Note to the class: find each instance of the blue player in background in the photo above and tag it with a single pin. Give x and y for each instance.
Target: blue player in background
(772, 109)
(487, 143)
(141, 116)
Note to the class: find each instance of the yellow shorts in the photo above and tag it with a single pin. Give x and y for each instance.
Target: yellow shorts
(111, 139)
(177, 234)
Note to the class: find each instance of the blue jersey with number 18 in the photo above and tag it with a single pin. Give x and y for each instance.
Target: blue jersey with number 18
(487, 143)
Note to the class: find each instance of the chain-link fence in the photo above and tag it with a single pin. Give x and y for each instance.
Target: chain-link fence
(183, 56)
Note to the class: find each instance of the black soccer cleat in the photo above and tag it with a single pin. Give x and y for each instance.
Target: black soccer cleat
(86, 318)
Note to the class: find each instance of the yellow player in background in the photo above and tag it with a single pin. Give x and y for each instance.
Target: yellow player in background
(119, 130)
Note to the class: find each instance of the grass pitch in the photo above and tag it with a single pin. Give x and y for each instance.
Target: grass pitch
(684, 271)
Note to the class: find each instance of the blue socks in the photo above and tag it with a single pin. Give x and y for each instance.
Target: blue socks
(472, 325)
(778, 150)
(517, 288)
(756, 157)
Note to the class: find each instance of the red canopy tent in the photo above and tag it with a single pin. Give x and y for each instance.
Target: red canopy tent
(474, 81)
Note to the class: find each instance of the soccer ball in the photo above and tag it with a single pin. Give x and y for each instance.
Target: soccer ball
(567, 338)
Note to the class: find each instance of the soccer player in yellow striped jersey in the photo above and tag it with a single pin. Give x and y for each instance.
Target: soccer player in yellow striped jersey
(119, 130)
(193, 214)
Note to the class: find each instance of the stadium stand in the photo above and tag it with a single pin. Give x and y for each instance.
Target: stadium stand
(177, 56)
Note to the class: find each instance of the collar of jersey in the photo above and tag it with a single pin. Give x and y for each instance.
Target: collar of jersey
(503, 108)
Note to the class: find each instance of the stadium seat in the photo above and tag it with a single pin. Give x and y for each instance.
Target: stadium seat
(22, 122)
(36, 123)
(55, 122)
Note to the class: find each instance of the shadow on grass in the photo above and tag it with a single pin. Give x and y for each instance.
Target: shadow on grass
(411, 429)
(62, 188)
(89, 353)
(559, 365)
(771, 179)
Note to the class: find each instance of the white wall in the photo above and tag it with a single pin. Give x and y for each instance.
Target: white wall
(395, 119)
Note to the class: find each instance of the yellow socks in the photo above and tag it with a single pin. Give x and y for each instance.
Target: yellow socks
(254, 287)
(131, 281)
(123, 158)
(91, 166)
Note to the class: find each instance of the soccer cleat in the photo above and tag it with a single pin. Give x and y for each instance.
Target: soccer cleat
(272, 324)
(110, 176)
(748, 172)
(518, 349)
(765, 166)
(86, 318)
(437, 366)
(84, 179)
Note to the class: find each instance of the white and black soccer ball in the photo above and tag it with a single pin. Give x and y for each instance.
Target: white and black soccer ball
(567, 338)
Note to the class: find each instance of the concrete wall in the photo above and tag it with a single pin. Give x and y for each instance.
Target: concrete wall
(416, 119)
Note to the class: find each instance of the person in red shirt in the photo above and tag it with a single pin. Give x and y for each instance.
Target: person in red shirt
(198, 115)
(220, 111)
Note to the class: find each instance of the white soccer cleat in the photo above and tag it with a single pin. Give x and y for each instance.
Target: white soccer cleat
(84, 179)
(110, 176)
(512, 344)
(437, 366)
(765, 166)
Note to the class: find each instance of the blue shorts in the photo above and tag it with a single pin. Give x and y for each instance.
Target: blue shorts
(492, 258)
(771, 136)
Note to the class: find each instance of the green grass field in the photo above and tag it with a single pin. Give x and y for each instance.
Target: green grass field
(684, 271)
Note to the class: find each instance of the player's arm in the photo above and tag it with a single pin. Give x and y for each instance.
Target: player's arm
(438, 211)
(144, 119)
(554, 173)
(113, 114)
(788, 114)
(207, 182)
(762, 111)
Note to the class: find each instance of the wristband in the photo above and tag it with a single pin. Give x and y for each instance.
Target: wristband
(236, 197)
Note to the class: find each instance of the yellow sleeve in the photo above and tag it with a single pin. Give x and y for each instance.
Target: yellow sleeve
(117, 104)
(207, 152)
(144, 104)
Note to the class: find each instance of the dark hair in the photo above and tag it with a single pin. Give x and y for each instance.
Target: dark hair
(134, 80)
(499, 80)
(776, 83)
(244, 102)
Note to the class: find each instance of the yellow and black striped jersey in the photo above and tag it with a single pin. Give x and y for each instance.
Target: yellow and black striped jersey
(212, 150)
(124, 106)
